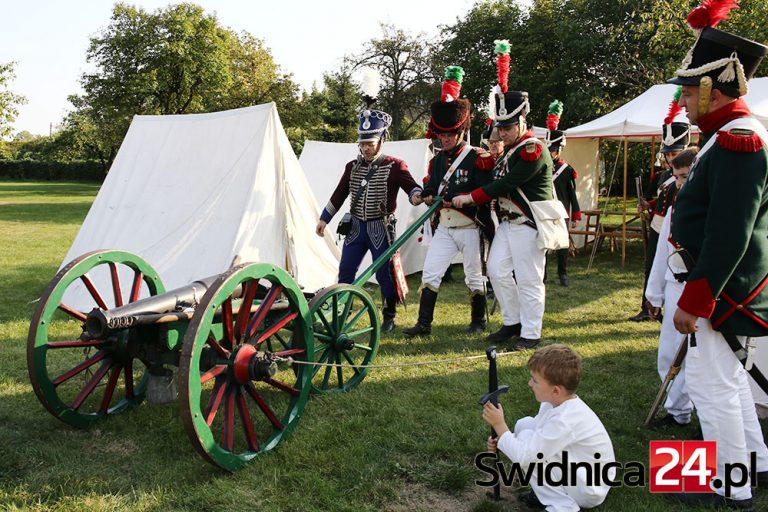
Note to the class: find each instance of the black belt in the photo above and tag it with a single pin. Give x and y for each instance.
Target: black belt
(680, 277)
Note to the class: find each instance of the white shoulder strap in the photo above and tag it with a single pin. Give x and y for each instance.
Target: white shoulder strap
(559, 171)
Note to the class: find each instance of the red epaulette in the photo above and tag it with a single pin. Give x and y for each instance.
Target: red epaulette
(531, 152)
(484, 161)
(740, 140)
(575, 174)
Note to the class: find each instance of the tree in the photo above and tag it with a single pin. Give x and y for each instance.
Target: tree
(469, 43)
(175, 60)
(408, 74)
(8, 99)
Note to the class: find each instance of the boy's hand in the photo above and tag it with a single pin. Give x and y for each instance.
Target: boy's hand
(491, 445)
(494, 416)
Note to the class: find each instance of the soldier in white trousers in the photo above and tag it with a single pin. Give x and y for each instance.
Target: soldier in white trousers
(664, 290)
(457, 168)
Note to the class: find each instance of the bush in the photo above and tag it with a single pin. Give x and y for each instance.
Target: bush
(51, 171)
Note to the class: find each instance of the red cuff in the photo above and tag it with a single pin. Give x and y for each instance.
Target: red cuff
(485, 163)
(697, 298)
(576, 216)
(480, 197)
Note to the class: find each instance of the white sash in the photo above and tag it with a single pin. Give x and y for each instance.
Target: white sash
(464, 152)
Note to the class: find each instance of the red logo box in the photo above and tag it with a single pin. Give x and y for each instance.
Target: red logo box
(682, 466)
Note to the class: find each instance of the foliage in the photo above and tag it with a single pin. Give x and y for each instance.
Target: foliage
(50, 170)
(9, 101)
(410, 79)
(594, 55)
(175, 60)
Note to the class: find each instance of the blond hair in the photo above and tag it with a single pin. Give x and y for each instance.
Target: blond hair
(559, 364)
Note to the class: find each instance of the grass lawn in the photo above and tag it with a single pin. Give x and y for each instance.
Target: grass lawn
(404, 440)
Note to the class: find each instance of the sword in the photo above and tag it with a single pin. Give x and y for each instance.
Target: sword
(674, 369)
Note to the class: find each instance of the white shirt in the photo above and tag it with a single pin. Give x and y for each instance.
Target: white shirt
(572, 427)
(660, 271)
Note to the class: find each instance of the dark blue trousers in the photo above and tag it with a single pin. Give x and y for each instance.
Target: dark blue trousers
(363, 237)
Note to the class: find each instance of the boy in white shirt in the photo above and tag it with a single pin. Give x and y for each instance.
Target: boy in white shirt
(664, 289)
(564, 424)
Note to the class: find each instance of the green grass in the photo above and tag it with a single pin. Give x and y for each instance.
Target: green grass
(404, 440)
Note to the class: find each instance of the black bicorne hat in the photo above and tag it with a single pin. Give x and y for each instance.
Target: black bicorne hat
(729, 60)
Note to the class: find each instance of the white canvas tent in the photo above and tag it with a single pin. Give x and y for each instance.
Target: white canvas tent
(194, 194)
(323, 164)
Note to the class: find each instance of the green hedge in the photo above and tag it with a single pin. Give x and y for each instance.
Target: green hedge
(51, 171)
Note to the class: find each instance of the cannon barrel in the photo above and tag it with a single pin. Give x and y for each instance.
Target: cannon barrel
(147, 311)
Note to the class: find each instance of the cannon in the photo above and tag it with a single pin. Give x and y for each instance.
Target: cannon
(248, 344)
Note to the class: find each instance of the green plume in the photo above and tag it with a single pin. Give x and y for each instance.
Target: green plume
(502, 46)
(556, 108)
(678, 93)
(455, 73)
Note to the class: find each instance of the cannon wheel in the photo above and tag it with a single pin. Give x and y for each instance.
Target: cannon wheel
(346, 328)
(238, 397)
(78, 379)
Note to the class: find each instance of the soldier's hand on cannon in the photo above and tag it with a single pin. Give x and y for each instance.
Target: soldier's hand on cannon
(320, 229)
(462, 200)
(491, 444)
(417, 199)
(428, 200)
(685, 322)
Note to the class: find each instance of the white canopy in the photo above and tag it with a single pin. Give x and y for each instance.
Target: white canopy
(641, 118)
(195, 194)
(323, 164)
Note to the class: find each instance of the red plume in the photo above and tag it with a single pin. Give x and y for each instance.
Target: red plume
(553, 121)
(502, 69)
(674, 109)
(710, 13)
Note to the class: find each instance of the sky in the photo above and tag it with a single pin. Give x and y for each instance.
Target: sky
(48, 39)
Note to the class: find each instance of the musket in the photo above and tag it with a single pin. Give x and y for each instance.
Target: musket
(674, 369)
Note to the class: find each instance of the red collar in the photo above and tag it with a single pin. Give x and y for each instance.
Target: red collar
(713, 120)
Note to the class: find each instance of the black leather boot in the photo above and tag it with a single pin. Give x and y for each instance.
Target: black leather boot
(426, 312)
(478, 314)
(389, 312)
(506, 333)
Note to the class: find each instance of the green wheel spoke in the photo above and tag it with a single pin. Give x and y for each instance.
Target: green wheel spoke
(335, 309)
(330, 330)
(356, 318)
(363, 347)
(349, 360)
(347, 309)
(355, 334)
(326, 376)
(339, 372)
(323, 337)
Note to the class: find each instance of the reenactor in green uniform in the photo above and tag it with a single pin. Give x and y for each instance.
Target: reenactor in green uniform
(720, 225)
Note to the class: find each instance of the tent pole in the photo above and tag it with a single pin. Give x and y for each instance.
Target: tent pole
(624, 222)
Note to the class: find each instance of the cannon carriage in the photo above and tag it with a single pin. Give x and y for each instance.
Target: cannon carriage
(250, 347)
